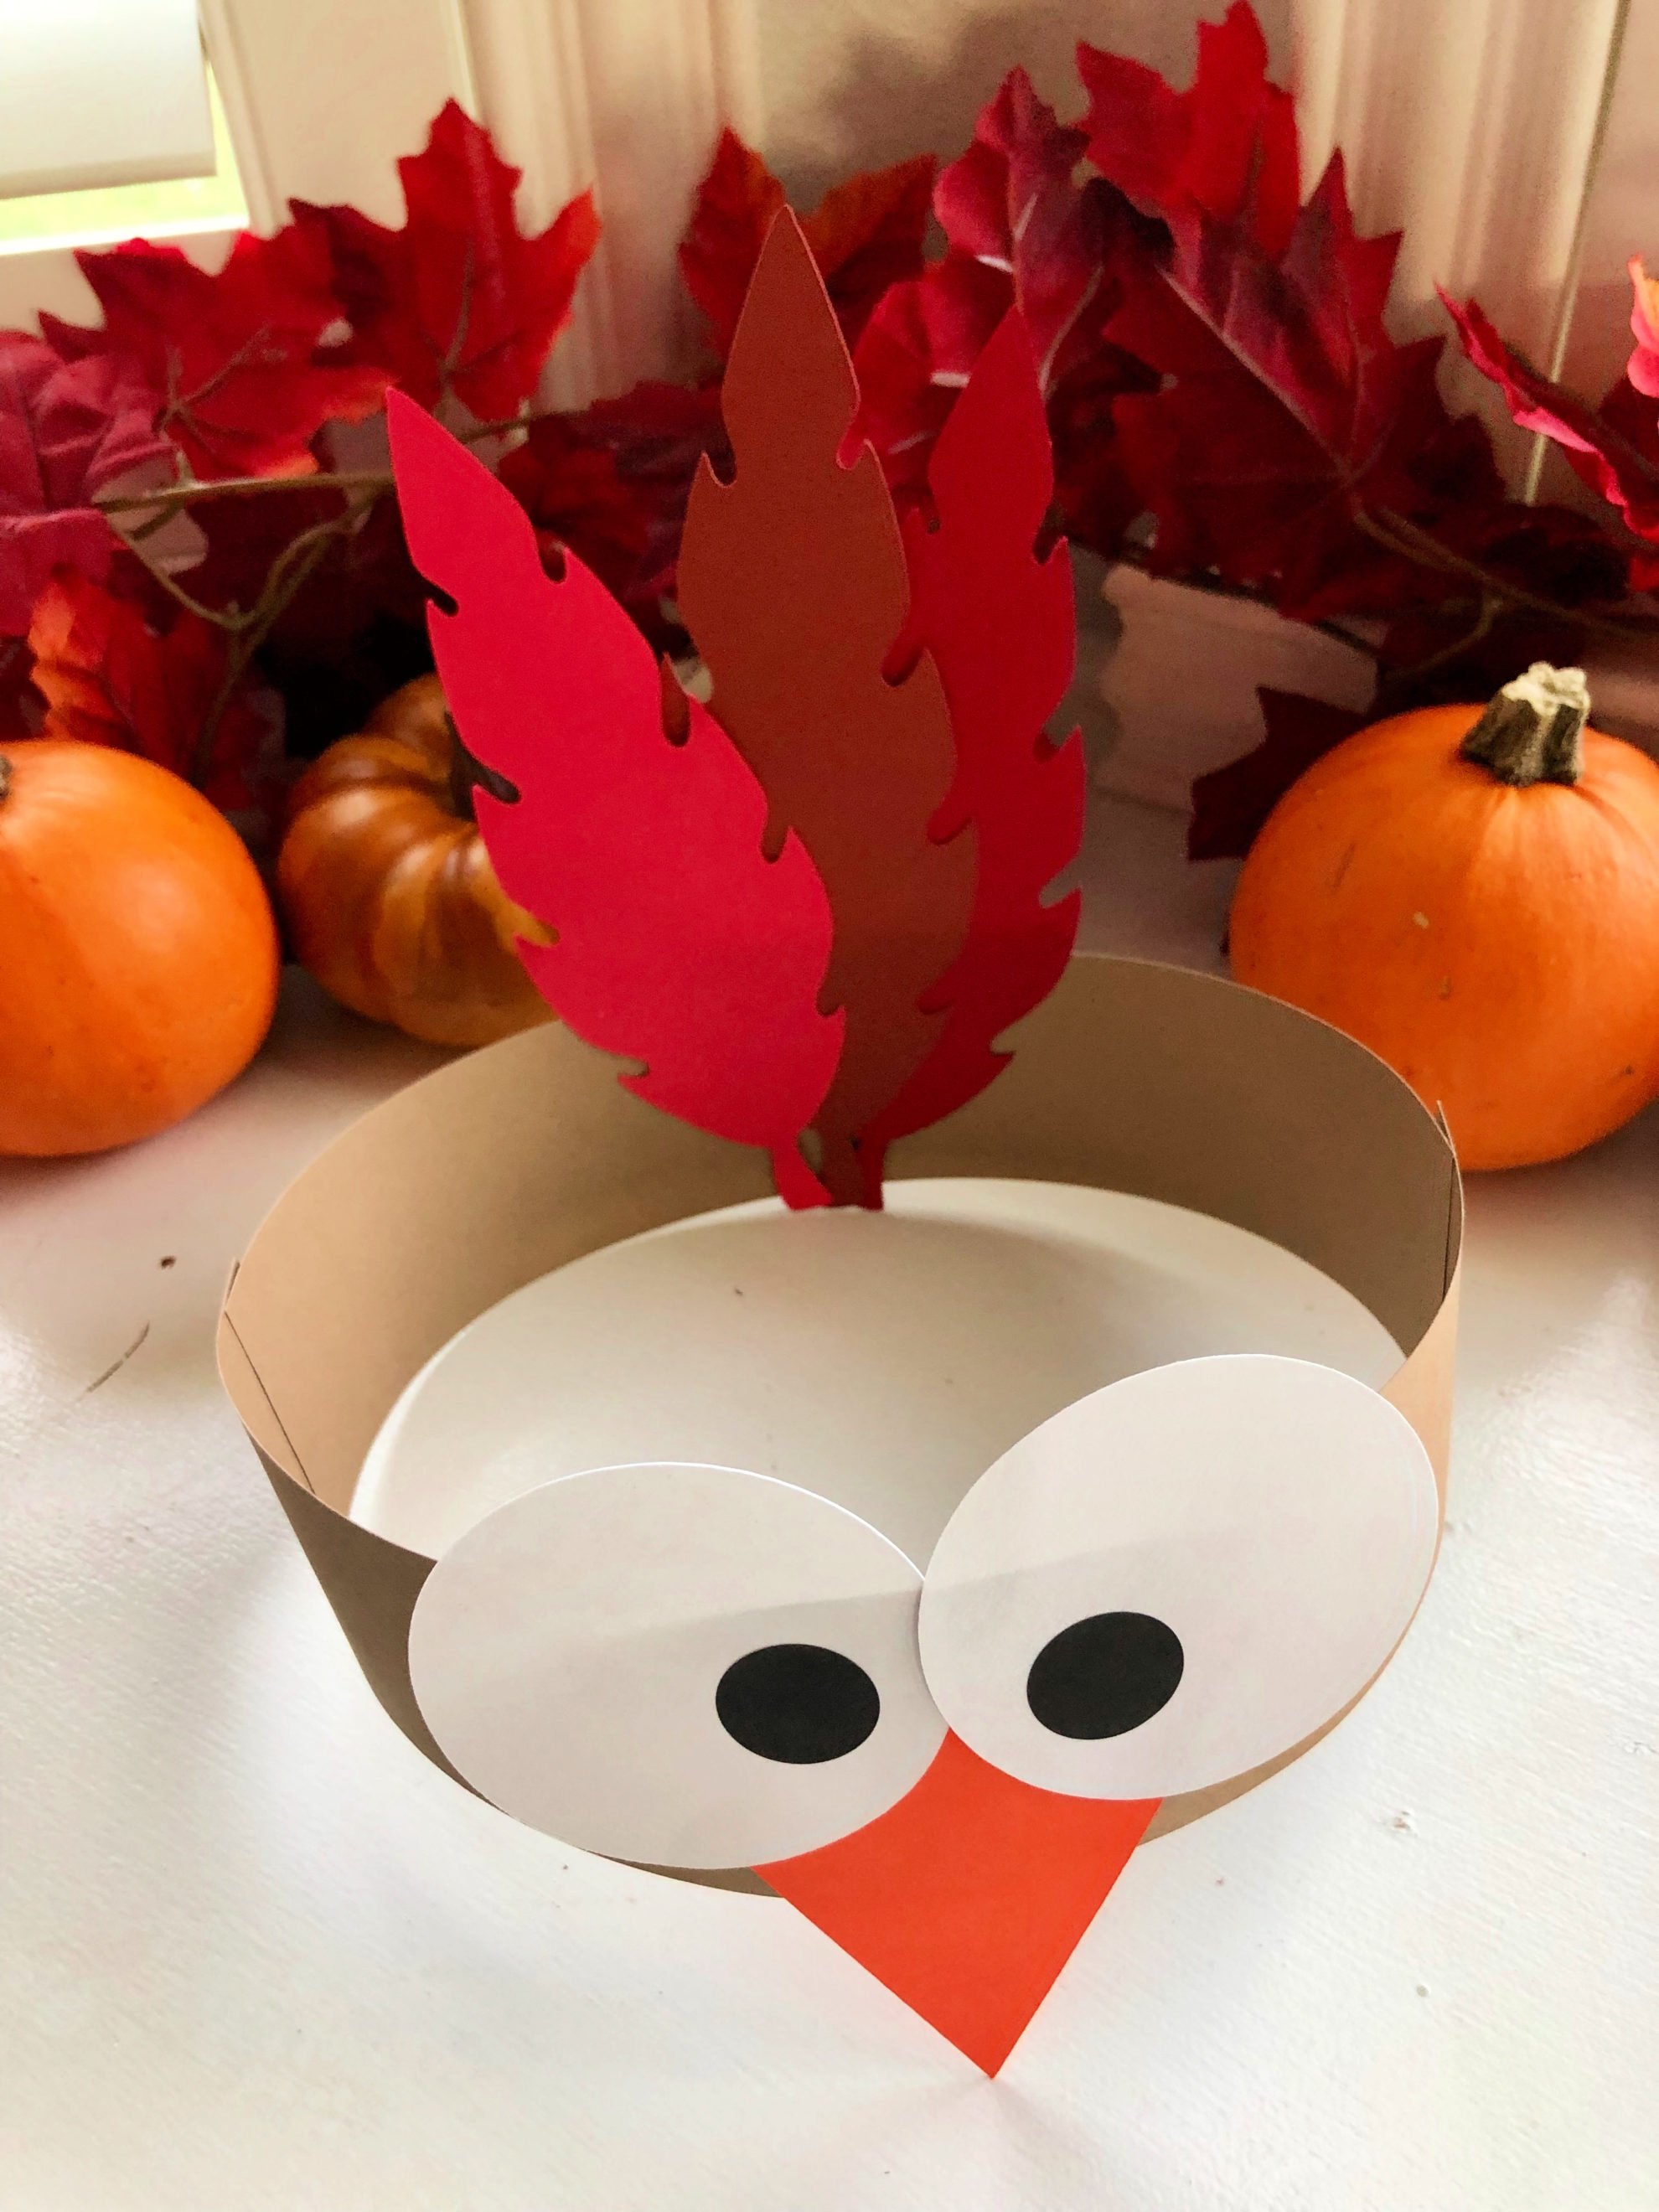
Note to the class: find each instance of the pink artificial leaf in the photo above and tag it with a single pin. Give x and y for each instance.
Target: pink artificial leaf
(1643, 368)
(914, 355)
(1021, 232)
(1012, 202)
(999, 624)
(1599, 446)
(1631, 415)
(636, 835)
(1226, 149)
(69, 430)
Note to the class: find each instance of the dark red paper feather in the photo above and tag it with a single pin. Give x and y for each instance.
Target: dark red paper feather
(636, 835)
(1000, 627)
(793, 581)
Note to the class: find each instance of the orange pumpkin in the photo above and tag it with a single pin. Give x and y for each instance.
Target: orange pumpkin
(138, 952)
(385, 887)
(1474, 894)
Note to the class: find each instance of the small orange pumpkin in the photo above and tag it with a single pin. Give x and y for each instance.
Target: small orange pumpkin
(1474, 894)
(385, 887)
(138, 953)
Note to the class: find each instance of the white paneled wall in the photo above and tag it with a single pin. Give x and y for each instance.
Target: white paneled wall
(1622, 216)
(1470, 125)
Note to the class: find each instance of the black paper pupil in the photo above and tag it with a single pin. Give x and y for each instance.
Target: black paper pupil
(1104, 1675)
(796, 1703)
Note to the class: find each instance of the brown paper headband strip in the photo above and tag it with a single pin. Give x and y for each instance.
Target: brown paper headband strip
(1132, 1077)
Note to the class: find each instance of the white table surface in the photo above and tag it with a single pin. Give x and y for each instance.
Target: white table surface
(255, 1952)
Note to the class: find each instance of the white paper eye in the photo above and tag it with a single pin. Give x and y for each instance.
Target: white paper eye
(1178, 1576)
(689, 1666)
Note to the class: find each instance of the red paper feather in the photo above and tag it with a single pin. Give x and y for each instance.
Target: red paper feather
(637, 832)
(1000, 627)
(793, 580)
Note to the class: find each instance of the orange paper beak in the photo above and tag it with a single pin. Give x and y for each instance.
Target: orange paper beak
(967, 1897)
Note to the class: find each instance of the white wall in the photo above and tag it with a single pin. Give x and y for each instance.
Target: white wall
(846, 84)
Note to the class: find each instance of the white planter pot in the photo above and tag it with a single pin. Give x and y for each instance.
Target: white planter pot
(1179, 685)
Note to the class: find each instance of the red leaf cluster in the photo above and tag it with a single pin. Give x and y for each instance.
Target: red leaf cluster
(240, 372)
(1225, 150)
(865, 235)
(68, 431)
(1613, 448)
(1284, 413)
(228, 358)
(108, 678)
(1285, 409)
(1021, 233)
(611, 483)
(459, 301)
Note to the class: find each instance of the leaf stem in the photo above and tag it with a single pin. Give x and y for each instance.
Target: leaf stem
(1405, 537)
(225, 618)
(196, 492)
(284, 580)
(195, 489)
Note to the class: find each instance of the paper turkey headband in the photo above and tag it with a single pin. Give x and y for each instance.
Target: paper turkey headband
(805, 916)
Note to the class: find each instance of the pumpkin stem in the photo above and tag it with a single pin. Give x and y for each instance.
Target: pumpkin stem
(5, 777)
(1533, 731)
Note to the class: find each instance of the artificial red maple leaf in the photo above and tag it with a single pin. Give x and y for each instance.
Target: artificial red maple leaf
(109, 680)
(68, 431)
(1614, 448)
(1286, 410)
(1226, 148)
(459, 301)
(1230, 804)
(228, 356)
(1019, 233)
(1022, 232)
(866, 234)
(1093, 493)
(730, 218)
(1013, 204)
(914, 357)
(611, 482)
